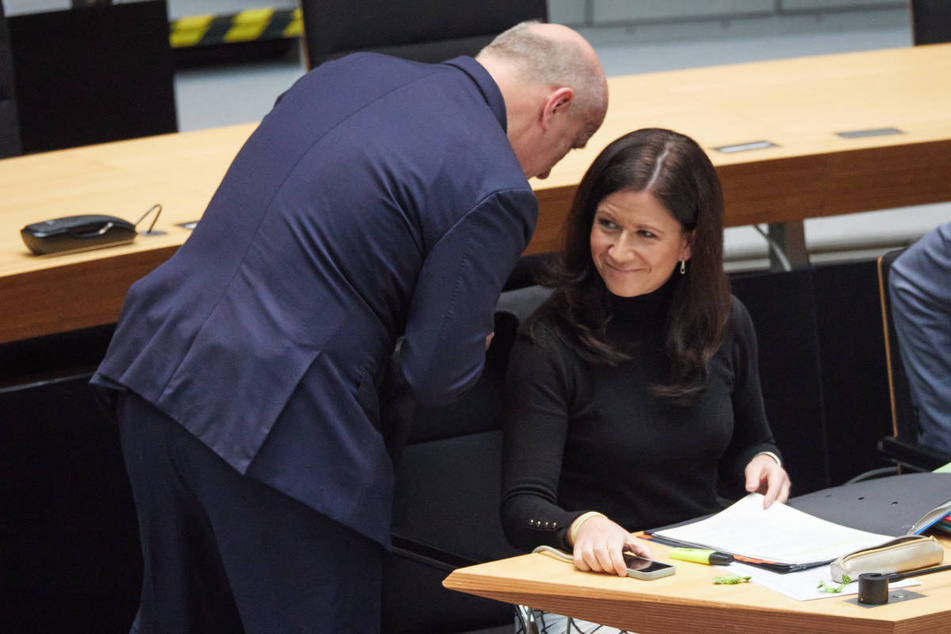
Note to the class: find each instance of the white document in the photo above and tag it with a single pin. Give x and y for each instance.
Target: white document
(802, 585)
(778, 534)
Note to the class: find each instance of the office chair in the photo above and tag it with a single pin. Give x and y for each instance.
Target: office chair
(446, 506)
(93, 75)
(902, 448)
(9, 123)
(446, 503)
(930, 21)
(421, 30)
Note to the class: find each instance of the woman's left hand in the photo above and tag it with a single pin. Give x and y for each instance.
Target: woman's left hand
(764, 475)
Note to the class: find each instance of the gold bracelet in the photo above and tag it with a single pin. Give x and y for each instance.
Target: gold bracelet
(581, 519)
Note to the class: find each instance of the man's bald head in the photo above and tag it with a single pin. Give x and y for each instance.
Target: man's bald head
(554, 55)
(554, 89)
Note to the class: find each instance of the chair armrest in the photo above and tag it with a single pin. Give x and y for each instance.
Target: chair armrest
(914, 456)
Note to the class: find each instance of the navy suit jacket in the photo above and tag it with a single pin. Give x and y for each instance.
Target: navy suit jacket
(379, 197)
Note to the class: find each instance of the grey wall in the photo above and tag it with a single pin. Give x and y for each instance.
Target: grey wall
(571, 12)
(614, 12)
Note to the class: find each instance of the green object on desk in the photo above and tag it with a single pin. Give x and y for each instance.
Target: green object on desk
(730, 580)
(945, 469)
(846, 580)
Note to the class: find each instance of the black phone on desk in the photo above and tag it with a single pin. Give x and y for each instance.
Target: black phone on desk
(643, 568)
(77, 233)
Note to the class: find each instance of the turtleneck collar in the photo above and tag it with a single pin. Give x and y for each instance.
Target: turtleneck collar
(643, 308)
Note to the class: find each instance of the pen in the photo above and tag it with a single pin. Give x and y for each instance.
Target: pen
(701, 556)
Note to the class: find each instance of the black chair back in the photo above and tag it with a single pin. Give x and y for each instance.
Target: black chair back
(421, 30)
(930, 21)
(9, 123)
(93, 75)
(904, 418)
(446, 506)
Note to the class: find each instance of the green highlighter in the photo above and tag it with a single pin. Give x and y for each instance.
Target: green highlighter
(701, 556)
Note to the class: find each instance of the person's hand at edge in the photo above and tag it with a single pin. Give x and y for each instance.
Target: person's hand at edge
(599, 544)
(765, 475)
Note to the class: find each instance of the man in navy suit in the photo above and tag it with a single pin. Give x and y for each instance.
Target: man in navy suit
(379, 198)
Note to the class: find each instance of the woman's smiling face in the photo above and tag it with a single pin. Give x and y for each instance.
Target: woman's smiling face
(636, 243)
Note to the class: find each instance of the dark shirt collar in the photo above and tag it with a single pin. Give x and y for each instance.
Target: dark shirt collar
(650, 307)
(488, 87)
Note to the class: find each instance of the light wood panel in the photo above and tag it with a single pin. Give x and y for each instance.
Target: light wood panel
(58, 293)
(798, 104)
(689, 601)
(124, 179)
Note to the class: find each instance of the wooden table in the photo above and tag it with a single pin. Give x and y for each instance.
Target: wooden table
(796, 104)
(689, 601)
(58, 293)
(799, 105)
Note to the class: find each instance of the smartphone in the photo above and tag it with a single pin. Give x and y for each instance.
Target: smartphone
(643, 568)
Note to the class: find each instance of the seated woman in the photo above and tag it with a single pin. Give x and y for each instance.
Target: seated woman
(634, 389)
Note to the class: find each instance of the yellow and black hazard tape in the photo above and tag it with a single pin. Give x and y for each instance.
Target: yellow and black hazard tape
(246, 26)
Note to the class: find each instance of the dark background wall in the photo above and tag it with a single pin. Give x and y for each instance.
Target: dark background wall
(69, 560)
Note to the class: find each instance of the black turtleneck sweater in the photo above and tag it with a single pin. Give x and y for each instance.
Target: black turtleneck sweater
(593, 437)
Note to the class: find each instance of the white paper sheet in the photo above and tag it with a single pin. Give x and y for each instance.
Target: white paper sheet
(802, 585)
(779, 533)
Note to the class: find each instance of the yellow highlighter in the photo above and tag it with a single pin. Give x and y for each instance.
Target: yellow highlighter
(701, 556)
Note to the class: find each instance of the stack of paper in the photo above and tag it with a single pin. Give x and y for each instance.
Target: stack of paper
(779, 538)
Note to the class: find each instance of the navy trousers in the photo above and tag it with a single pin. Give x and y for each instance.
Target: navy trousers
(224, 553)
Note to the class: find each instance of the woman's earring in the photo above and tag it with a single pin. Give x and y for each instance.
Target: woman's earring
(683, 267)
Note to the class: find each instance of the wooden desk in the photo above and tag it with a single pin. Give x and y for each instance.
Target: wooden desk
(689, 601)
(58, 293)
(797, 104)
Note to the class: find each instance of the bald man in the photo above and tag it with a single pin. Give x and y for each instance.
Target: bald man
(379, 198)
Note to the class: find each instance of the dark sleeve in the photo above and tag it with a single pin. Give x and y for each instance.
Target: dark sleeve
(453, 305)
(537, 396)
(751, 432)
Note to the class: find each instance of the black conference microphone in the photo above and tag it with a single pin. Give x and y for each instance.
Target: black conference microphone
(873, 586)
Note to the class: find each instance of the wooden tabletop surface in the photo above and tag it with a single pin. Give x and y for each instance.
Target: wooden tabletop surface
(689, 601)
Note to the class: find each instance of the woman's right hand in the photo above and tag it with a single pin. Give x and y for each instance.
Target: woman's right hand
(599, 543)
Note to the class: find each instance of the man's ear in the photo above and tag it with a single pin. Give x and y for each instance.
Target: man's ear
(556, 104)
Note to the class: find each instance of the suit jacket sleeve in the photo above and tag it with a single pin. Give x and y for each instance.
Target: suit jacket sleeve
(453, 304)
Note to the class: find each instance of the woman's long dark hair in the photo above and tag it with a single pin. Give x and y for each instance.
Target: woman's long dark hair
(679, 174)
